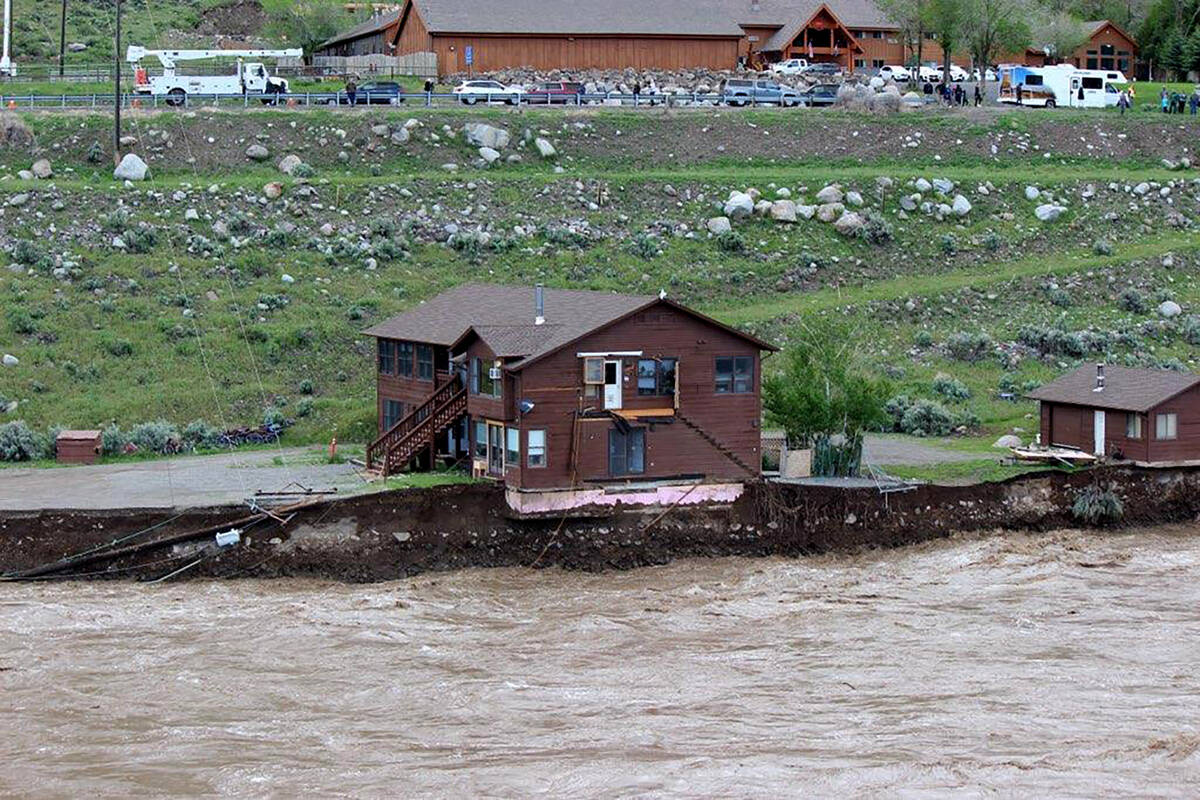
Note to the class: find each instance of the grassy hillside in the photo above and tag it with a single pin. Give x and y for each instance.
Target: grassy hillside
(170, 298)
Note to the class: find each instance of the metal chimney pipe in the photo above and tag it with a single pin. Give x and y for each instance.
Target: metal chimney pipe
(1099, 378)
(539, 305)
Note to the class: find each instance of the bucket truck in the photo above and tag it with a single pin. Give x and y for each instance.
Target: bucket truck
(250, 77)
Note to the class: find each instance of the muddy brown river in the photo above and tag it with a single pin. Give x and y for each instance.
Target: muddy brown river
(1054, 665)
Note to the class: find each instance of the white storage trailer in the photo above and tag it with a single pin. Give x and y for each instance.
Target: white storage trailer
(248, 78)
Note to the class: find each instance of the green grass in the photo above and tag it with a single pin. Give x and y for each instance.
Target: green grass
(963, 472)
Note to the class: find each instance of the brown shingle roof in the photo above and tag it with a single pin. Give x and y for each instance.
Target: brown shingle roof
(630, 17)
(1125, 389)
(503, 317)
(373, 25)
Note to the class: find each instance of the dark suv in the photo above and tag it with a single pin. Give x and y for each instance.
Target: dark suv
(555, 92)
(374, 93)
(821, 69)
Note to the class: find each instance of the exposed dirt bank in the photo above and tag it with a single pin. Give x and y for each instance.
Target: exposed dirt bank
(398, 534)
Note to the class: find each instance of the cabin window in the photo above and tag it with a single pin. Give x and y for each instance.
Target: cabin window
(424, 362)
(734, 375)
(535, 448)
(475, 367)
(1166, 426)
(656, 376)
(404, 359)
(393, 412)
(1133, 426)
(387, 357)
(512, 447)
(593, 370)
(485, 384)
(627, 452)
(481, 439)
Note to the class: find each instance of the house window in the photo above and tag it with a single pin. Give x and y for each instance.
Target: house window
(656, 376)
(424, 362)
(393, 412)
(860, 63)
(593, 370)
(627, 452)
(404, 359)
(512, 447)
(387, 357)
(877, 63)
(735, 375)
(1133, 426)
(475, 367)
(485, 384)
(535, 448)
(1166, 426)
(480, 439)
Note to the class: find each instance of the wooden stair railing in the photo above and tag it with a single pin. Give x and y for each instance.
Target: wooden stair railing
(720, 448)
(379, 448)
(423, 433)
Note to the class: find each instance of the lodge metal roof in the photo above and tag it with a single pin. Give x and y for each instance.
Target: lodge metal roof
(1125, 388)
(628, 17)
(503, 316)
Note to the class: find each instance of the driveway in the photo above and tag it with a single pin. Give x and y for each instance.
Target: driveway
(882, 451)
(185, 482)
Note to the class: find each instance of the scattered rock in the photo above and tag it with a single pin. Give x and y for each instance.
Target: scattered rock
(544, 148)
(783, 211)
(854, 199)
(131, 168)
(1169, 308)
(829, 212)
(943, 186)
(10, 360)
(287, 278)
(1032, 193)
(830, 194)
(489, 154)
(1007, 441)
(273, 190)
(18, 200)
(718, 225)
(257, 152)
(922, 185)
(480, 134)
(1142, 188)
(41, 169)
(849, 224)
(739, 205)
(961, 205)
(287, 164)
(401, 136)
(1048, 212)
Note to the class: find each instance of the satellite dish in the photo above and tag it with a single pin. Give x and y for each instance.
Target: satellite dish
(525, 406)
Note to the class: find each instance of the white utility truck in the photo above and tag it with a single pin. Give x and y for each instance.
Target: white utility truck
(250, 77)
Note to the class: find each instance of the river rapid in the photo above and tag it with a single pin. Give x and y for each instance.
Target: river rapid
(1048, 665)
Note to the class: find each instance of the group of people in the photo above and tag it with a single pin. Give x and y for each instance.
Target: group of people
(1176, 102)
(954, 95)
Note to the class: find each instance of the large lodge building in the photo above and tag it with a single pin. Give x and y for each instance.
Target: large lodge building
(664, 34)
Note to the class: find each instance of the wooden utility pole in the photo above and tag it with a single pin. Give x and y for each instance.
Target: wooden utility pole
(117, 87)
(62, 41)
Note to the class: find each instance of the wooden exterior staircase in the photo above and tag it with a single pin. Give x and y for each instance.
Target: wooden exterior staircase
(720, 448)
(395, 449)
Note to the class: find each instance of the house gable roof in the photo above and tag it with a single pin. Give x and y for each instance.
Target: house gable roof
(1125, 389)
(783, 37)
(502, 316)
(625, 17)
(373, 25)
(1094, 27)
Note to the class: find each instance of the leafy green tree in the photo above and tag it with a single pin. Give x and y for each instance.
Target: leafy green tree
(824, 393)
(944, 19)
(1174, 56)
(306, 23)
(994, 27)
(1191, 52)
(909, 16)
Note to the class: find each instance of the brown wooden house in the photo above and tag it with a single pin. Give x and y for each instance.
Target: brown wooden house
(1108, 47)
(1144, 415)
(552, 390)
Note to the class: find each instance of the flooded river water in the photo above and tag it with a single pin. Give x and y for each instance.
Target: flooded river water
(1061, 665)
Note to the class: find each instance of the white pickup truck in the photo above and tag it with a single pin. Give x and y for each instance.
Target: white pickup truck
(793, 66)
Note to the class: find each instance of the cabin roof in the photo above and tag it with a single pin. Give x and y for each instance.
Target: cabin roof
(375, 24)
(1125, 388)
(503, 317)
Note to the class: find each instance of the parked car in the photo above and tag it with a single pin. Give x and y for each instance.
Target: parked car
(555, 92)
(957, 73)
(895, 72)
(793, 66)
(471, 92)
(930, 73)
(989, 74)
(822, 69)
(373, 93)
(823, 94)
(741, 92)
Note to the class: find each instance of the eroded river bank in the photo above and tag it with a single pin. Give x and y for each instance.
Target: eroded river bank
(1054, 664)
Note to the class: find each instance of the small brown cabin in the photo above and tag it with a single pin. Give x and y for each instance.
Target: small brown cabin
(1144, 415)
(550, 389)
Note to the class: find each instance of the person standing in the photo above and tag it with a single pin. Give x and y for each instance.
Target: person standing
(1164, 100)
(351, 90)
(1020, 87)
(1193, 103)
(978, 96)
(1123, 102)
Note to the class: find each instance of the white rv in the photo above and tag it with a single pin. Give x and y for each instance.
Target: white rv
(1060, 85)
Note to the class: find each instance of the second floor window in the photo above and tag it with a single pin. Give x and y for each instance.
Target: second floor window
(424, 362)
(404, 359)
(485, 383)
(734, 375)
(387, 357)
(656, 376)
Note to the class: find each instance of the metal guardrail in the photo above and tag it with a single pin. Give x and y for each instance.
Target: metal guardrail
(325, 99)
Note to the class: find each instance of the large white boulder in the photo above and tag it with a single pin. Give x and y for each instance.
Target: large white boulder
(544, 148)
(1048, 212)
(288, 163)
(783, 211)
(489, 154)
(41, 169)
(131, 168)
(718, 225)
(739, 205)
(1169, 308)
(849, 224)
(480, 134)
(830, 194)
(961, 205)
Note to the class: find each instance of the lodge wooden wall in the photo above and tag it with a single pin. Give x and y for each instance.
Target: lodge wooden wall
(555, 385)
(577, 52)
